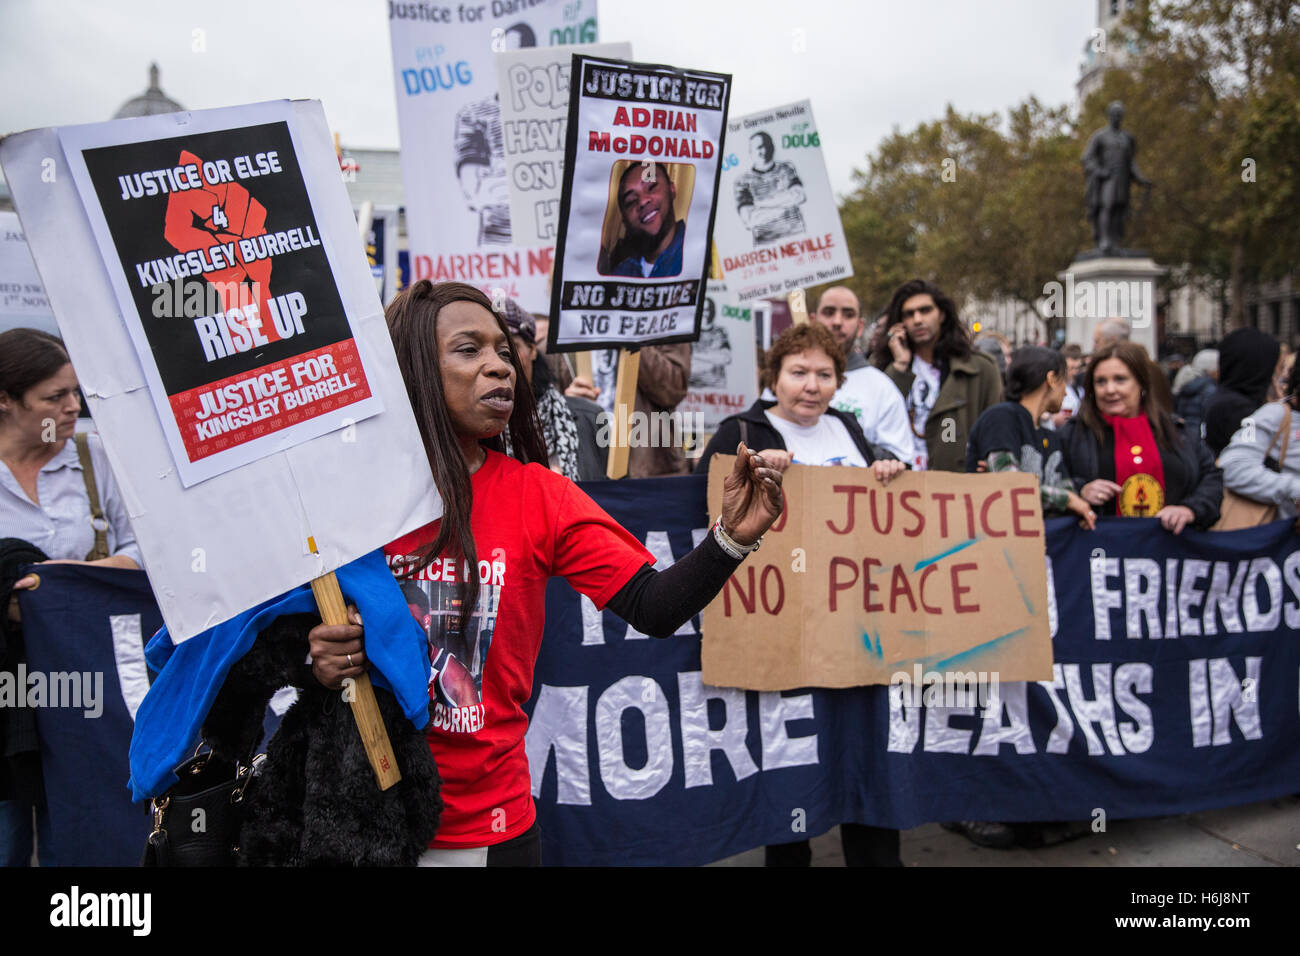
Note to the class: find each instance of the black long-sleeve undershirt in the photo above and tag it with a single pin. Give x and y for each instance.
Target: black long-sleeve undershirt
(659, 602)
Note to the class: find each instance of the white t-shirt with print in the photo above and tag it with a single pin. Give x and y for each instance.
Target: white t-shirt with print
(870, 396)
(920, 400)
(826, 443)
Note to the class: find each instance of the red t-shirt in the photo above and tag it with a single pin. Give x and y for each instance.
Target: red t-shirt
(529, 524)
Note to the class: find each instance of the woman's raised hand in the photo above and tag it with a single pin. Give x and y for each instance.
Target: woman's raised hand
(751, 497)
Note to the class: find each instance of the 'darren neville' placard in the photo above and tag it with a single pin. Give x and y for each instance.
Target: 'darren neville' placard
(858, 582)
(778, 226)
(640, 189)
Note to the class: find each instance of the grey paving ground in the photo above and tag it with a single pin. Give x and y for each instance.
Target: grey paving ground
(1258, 834)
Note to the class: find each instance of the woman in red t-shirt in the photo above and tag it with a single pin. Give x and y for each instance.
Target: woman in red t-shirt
(476, 579)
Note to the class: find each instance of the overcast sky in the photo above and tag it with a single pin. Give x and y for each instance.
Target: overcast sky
(868, 66)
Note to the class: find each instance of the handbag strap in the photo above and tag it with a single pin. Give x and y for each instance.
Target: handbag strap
(97, 520)
(1285, 432)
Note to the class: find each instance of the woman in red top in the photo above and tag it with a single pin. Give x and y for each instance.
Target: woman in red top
(476, 579)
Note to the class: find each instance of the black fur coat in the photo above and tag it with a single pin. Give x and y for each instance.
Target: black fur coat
(316, 802)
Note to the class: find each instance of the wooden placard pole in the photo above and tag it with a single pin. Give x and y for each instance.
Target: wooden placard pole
(798, 306)
(333, 610)
(582, 366)
(365, 709)
(629, 363)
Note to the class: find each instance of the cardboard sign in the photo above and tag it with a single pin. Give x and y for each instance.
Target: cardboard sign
(454, 173)
(859, 582)
(222, 275)
(216, 548)
(778, 225)
(640, 186)
(724, 361)
(22, 297)
(534, 88)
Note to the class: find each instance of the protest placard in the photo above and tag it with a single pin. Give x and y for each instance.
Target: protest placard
(381, 251)
(724, 361)
(225, 284)
(22, 297)
(640, 186)
(324, 486)
(534, 88)
(453, 158)
(778, 225)
(858, 582)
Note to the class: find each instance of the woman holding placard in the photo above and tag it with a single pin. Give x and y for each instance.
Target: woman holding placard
(58, 501)
(476, 579)
(806, 367)
(1129, 455)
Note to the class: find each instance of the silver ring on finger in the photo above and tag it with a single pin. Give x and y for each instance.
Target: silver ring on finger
(350, 664)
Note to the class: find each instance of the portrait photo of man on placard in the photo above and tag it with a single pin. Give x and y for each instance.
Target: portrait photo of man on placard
(645, 220)
(769, 194)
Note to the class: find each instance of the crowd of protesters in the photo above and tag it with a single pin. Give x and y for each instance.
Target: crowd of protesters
(1107, 434)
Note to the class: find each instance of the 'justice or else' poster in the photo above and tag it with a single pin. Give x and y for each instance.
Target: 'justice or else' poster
(640, 187)
(778, 226)
(225, 283)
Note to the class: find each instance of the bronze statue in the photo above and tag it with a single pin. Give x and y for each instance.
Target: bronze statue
(1109, 164)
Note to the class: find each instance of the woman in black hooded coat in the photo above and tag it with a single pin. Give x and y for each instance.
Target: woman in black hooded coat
(1247, 360)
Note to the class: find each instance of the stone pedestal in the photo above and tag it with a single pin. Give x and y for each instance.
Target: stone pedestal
(1097, 287)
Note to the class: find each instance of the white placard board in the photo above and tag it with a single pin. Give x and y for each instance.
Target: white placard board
(640, 183)
(225, 281)
(23, 303)
(240, 537)
(724, 360)
(449, 118)
(778, 228)
(534, 87)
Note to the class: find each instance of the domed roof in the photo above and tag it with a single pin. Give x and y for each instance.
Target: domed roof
(150, 103)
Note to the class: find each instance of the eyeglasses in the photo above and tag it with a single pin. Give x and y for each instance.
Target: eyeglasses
(919, 310)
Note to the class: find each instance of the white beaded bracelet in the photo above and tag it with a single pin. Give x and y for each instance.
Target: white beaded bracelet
(728, 544)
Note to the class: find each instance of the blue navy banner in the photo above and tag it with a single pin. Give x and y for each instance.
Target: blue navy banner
(1174, 690)
(85, 630)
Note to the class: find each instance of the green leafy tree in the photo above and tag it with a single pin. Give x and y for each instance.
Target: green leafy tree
(984, 206)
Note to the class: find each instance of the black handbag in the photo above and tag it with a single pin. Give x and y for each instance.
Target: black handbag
(197, 821)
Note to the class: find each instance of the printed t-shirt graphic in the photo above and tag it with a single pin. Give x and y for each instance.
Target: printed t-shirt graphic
(458, 643)
(529, 524)
(755, 186)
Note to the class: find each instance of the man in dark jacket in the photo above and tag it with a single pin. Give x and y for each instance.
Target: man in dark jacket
(1247, 360)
